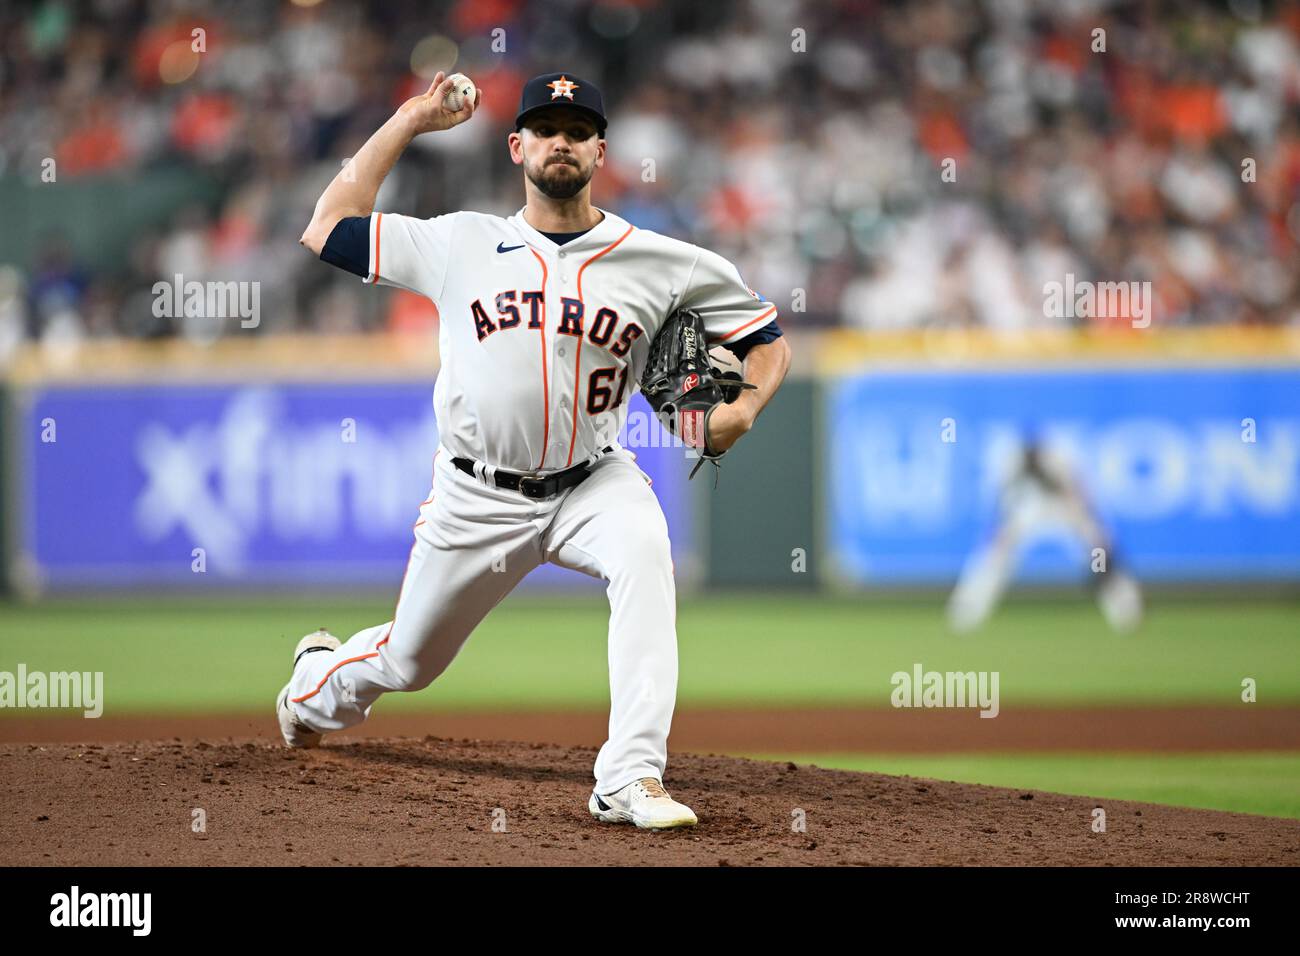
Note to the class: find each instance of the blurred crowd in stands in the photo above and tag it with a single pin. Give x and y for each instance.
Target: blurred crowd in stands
(866, 164)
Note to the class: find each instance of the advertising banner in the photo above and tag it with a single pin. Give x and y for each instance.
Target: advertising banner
(1194, 474)
(255, 485)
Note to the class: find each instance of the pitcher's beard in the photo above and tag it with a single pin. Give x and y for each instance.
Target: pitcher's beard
(560, 185)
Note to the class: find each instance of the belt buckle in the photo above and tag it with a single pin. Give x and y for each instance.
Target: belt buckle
(532, 481)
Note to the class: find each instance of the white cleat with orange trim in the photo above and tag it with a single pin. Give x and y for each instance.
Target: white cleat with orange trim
(644, 802)
(294, 731)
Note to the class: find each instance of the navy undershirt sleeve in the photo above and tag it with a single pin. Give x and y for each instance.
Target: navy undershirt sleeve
(348, 246)
(768, 333)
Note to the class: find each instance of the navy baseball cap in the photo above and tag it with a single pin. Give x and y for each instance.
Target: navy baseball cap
(561, 89)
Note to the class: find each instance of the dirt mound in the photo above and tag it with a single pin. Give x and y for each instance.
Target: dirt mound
(738, 730)
(444, 801)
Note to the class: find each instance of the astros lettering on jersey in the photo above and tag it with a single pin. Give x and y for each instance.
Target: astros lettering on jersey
(542, 345)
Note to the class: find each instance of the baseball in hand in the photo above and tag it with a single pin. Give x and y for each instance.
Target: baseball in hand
(460, 94)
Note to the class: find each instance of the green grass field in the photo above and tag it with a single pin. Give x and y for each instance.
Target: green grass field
(1267, 783)
(174, 655)
(229, 655)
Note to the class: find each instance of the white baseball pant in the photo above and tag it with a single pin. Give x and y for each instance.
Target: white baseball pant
(473, 543)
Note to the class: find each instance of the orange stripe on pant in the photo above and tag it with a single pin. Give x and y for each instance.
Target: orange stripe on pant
(384, 640)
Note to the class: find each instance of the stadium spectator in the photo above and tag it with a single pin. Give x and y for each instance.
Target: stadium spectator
(927, 164)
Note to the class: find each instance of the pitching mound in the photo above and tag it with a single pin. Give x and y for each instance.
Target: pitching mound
(441, 801)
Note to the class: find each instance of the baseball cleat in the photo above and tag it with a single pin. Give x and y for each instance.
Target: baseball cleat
(294, 731)
(644, 802)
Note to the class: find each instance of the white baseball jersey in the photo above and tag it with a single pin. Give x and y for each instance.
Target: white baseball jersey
(542, 345)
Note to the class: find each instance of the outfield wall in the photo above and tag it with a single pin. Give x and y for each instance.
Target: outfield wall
(268, 484)
(1195, 472)
(292, 463)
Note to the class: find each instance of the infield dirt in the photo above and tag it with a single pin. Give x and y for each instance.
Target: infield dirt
(465, 801)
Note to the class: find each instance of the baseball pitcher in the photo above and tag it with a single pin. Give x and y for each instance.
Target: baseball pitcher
(549, 320)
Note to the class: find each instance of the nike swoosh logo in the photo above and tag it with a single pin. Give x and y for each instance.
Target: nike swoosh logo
(502, 247)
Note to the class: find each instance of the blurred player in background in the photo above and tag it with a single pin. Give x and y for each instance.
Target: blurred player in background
(1040, 499)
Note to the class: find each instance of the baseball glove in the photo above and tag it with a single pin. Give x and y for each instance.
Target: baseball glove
(684, 387)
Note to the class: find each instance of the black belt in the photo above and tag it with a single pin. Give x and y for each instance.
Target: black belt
(531, 486)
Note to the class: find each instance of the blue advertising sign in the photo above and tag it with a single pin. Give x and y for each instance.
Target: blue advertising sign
(1194, 473)
(308, 484)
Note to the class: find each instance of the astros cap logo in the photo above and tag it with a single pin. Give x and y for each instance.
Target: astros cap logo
(562, 87)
